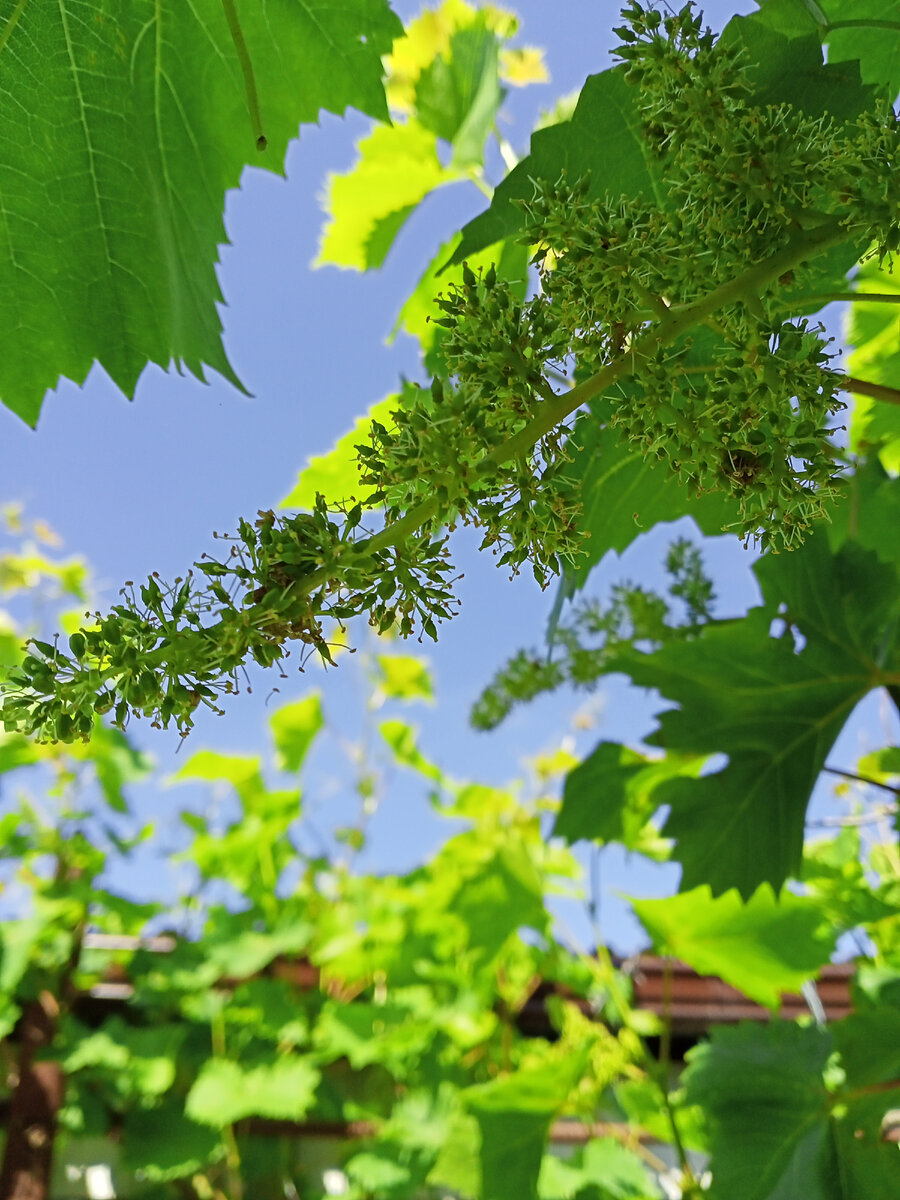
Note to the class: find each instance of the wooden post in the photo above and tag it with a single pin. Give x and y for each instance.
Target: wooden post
(33, 1108)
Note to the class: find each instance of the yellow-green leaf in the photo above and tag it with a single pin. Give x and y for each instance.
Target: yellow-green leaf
(294, 728)
(404, 677)
(764, 947)
(336, 473)
(397, 167)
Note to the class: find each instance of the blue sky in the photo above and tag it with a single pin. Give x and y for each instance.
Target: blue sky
(136, 487)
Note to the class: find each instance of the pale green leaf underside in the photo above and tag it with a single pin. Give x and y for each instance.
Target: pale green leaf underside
(124, 125)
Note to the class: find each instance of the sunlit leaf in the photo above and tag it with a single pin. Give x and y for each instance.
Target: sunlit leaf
(397, 167)
(294, 729)
(772, 707)
(225, 1092)
(401, 738)
(764, 947)
(404, 677)
(873, 331)
(336, 473)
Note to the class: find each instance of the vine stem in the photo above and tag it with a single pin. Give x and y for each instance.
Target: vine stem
(877, 391)
(237, 36)
(845, 298)
(557, 408)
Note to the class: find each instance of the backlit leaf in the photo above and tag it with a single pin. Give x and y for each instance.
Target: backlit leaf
(294, 728)
(336, 473)
(114, 170)
(398, 166)
(404, 677)
(772, 708)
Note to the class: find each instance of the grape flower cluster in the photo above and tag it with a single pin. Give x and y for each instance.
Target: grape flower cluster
(683, 316)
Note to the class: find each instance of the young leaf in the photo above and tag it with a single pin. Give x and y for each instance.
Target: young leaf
(397, 167)
(336, 473)
(294, 729)
(404, 677)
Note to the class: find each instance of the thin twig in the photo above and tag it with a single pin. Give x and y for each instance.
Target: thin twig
(885, 787)
(869, 818)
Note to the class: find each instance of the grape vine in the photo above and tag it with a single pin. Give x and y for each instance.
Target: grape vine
(678, 312)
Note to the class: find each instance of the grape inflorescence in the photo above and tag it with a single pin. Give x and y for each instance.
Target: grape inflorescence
(686, 321)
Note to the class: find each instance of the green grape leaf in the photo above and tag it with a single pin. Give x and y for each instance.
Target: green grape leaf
(774, 710)
(401, 740)
(114, 170)
(639, 1101)
(881, 764)
(602, 139)
(336, 474)
(366, 1033)
(163, 1143)
(504, 895)
(225, 1092)
(790, 70)
(608, 1170)
(869, 1045)
(792, 18)
(876, 49)
(398, 166)
(458, 1167)
(776, 1128)
(764, 947)
(873, 330)
(15, 749)
(374, 1173)
(404, 677)
(762, 1090)
(610, 795)
(623, 495)
(835, 875)
(294, 729)
(116, 763)
(458, 93)
(869, 512)
(239, 955)
(242, 772)
(514, 1113)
